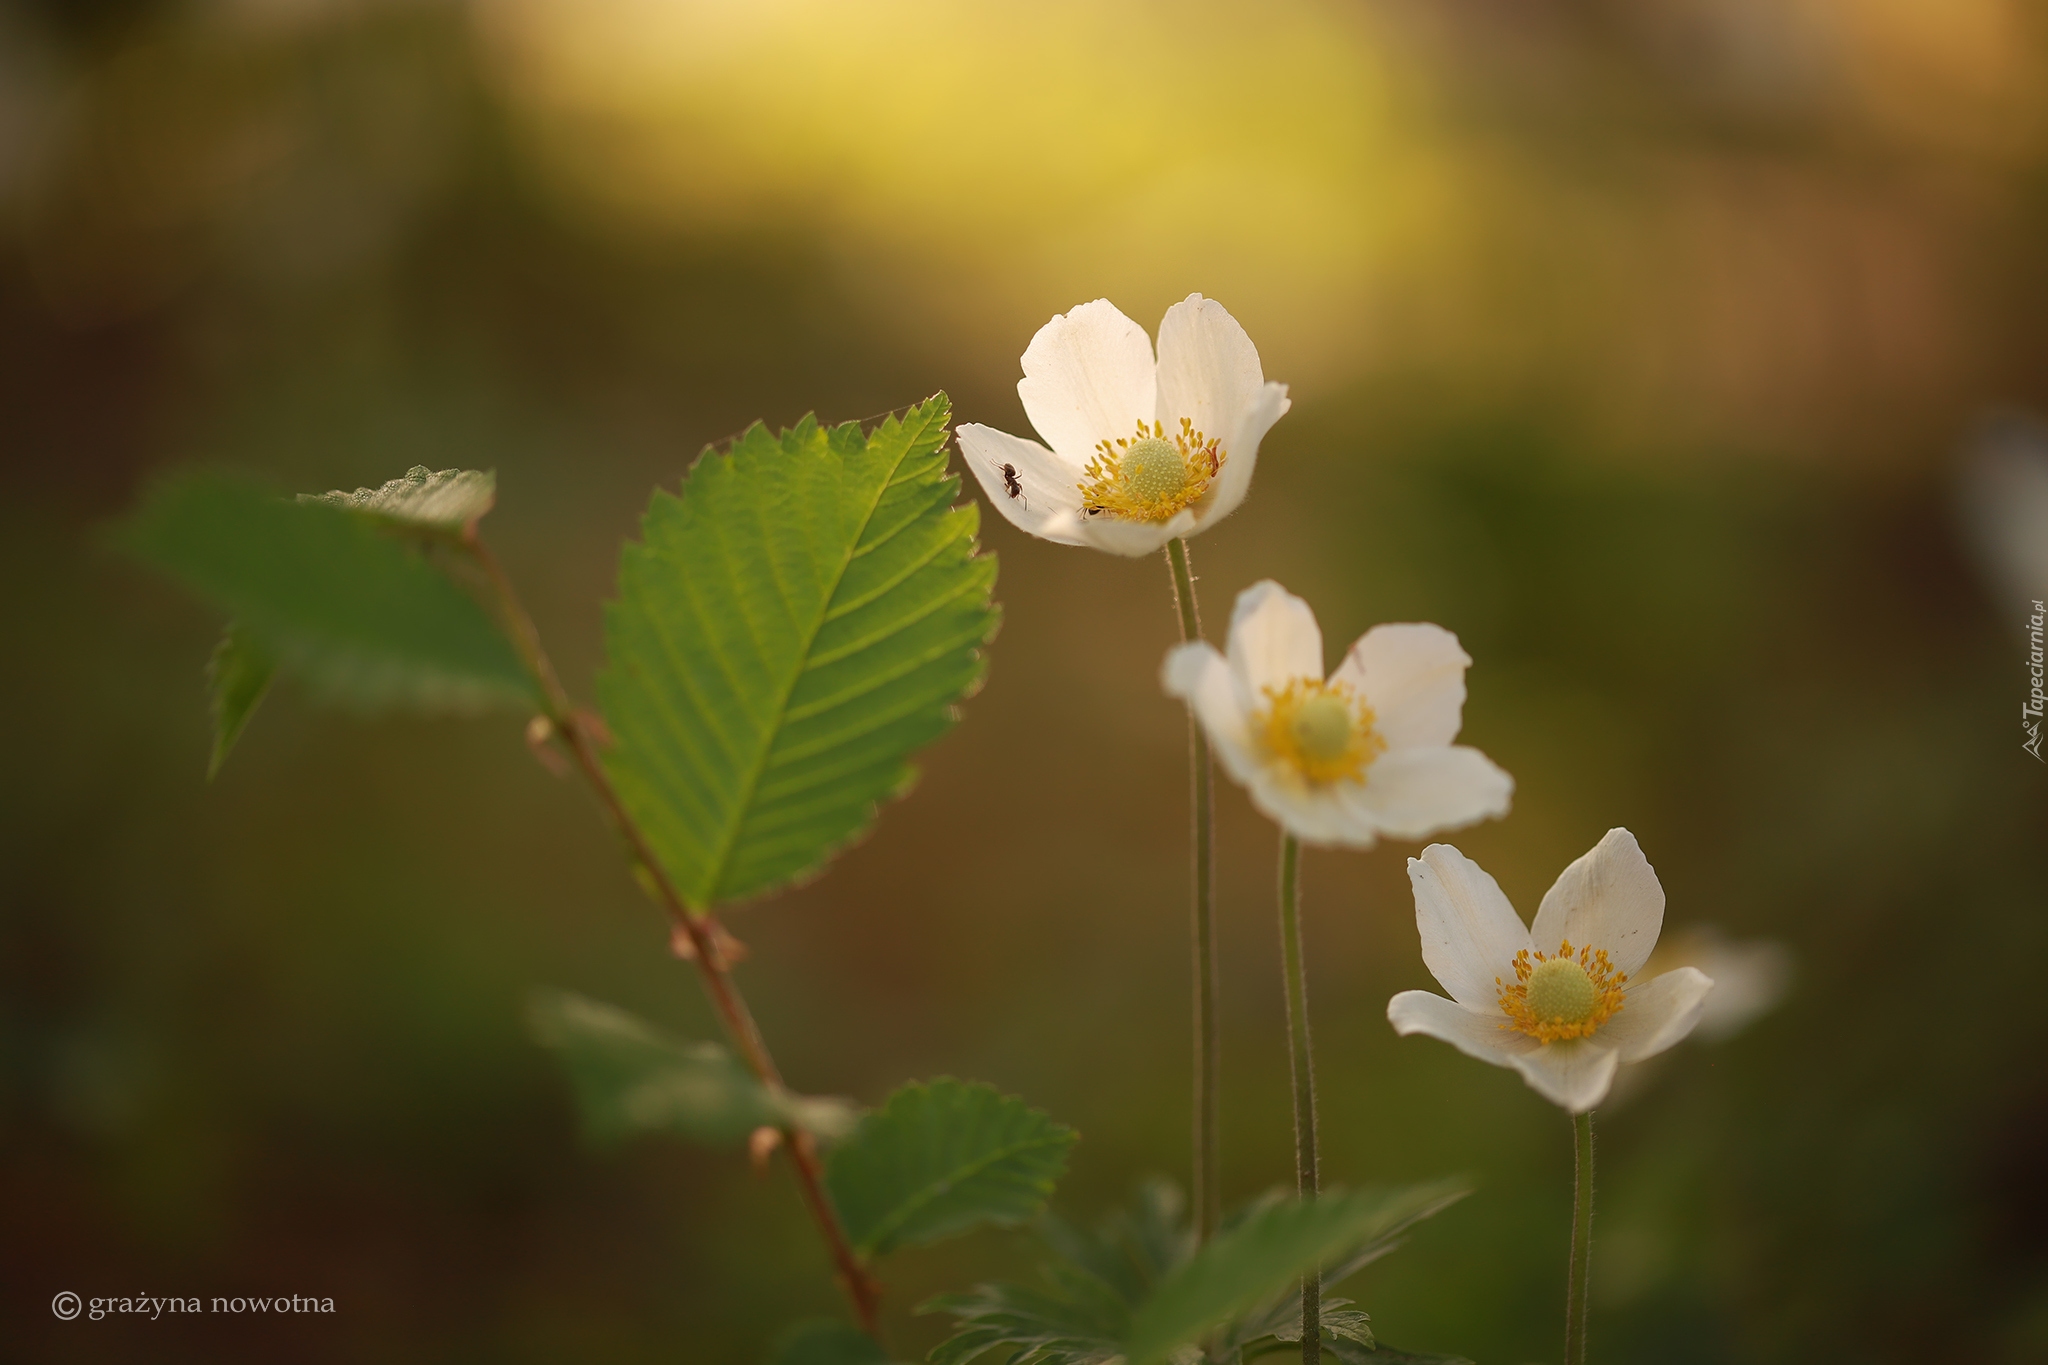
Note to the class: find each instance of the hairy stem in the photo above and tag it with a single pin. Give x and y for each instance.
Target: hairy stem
(1208, 1174)
(1302, 1061)
(580, 732)
(1582, 1239)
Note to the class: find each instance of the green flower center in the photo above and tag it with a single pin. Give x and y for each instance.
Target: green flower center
(1154, 471)
(1561, 991)
(1321, 726)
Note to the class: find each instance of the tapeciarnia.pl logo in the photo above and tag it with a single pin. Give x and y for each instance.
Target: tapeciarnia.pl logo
(2030, 713)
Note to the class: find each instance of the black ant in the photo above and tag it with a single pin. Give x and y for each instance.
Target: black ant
(1011, 483)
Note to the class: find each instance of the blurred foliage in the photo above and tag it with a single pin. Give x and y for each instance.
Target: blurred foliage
(238, 675)
(630, 1079)
(824, 1342)
(362, 619)
(942, 1158)
(1140, 1290)
(1632, 341)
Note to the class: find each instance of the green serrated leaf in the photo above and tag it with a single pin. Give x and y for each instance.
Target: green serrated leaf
(939, 1159)
(1046, 1327)
(237, 676)
(1353, 1354)
(1262, 1256)
(1084, 1312)
(447, 499)
(362, 618)
(794, 623)
(1339, 1320)
(1403, 1206)
(1131, 1251)
(630, 1078)
(826, 1342)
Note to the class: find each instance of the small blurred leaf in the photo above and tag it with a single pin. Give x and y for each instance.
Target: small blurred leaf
(1074, 1323)
(1263, 1256)
(1402, 1207)
(1353, 1354)
(794, 623)
(237, 676)
(1084, 1312)
(939, 1159)
(362, 618)
(827, 1342)
(448, 499)
(1133, 1249)
(631, 1078)
(1339, 1320)
(1080, 1315)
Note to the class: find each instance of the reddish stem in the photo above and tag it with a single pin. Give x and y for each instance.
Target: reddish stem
(702, 931)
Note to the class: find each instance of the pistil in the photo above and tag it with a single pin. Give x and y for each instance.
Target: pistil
(1151, 476)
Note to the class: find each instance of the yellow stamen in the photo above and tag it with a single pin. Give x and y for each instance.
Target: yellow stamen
(1151, 476)
(1555, 998)
(1323, 729)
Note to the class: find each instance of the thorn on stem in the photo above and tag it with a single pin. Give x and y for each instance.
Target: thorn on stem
(761, 1145)
(592, 725)
(540, 735)
(730, 949)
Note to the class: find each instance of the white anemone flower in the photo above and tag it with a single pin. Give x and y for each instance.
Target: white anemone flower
(1346, 759)
(1565, 1018)
(1142, 451)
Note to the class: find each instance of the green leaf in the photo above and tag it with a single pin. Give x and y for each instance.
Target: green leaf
(238, 675)
(1083, 1314)
(794, 623)
(444, 499)
(1132, 1250)
(1352, 1354)
(826, 1342)
(1340, 1321)
(937, 1160)
(1259, 1259)
(630, 1078)
(361, 617)
(1403, 1207)
(1072, 1324)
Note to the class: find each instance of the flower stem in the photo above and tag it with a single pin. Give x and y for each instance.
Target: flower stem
(1208, 1173)
(1302, 1060)
(580, 732)
(1582, 1240)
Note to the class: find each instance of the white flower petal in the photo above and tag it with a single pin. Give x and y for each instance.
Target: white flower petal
(1413, 677)
(1657, 1014)
(1050, 496)
(1414, 793)
(1750, 978)
(1274, 639)
(1208, 370)
(1573, 1074)
(1197, 674)
(1134, 539)
(1470, 934)
(1310, 812)
(1607, 899)
(1088, 377)
(1472, 1033)
(1241, 452)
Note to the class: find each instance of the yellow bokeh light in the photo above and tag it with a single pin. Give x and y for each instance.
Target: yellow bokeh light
(1350, 180)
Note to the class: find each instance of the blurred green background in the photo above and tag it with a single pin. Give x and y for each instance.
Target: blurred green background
(1634, 340)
